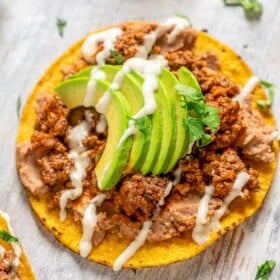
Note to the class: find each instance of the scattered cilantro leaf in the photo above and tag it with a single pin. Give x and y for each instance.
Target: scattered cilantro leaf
(184, 16)
(148, 196)
(117, 56)
(264, 104)
(264, 269)
(18, 106)
(60, 23)
(7, 237)
(253, 8)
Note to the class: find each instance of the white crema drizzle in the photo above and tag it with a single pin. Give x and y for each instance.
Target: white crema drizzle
(81, 161)
(16, 246)
(247, 89)
(141, 237)
(275, 135)
(89, 222)
(203, 228)
(150, 68)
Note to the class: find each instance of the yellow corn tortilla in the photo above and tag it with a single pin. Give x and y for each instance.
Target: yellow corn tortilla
(24, 269)
(159, 253)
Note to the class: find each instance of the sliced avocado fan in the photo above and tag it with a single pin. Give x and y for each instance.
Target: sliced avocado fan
(161, 139)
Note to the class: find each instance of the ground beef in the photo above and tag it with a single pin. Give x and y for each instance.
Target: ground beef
(192, 177)
(6, 272)
(45, 143)
(139, 195)
(230, 125)
(222, 170)
(56, 168)
(179, 59)
(132, 37)
(51, 115)
(69, 70)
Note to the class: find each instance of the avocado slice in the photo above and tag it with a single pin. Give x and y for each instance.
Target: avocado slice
(168, 129)
(113, 160)
(181, 137)
(109, 70)
(186, 77)
(132, 91)
(154, 137)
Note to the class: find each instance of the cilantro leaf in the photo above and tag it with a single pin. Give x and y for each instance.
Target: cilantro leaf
(141, 124)
(7, 237)
(205, 140)
(117, 56)
(264, 104)
(18, 106)
(194, 127)
(184, 16)
(211, 118)
(199, 115)
(252, 8)
(189, 92)
(60, 23)
(147, 196)
(264, 269)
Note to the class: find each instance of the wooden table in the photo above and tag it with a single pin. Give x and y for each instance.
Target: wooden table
(29, 42)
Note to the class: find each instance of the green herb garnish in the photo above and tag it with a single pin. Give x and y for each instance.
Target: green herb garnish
(264, 270)
(264, 104)
(18, 105)
(252, 8)
(61, 23)
(148, 196)
(7, 237)
(199, 115)
(117, 56)
(184, 16)
(141, 124)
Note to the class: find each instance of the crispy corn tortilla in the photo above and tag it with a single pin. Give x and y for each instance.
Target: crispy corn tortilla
(24, 269)
(159, 253)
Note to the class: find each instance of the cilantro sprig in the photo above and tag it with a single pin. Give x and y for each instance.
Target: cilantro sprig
(117, 56)
(253, 8)
(264, 269)
(199, 115)
(60, 23)
(265, 104)
(7, 237)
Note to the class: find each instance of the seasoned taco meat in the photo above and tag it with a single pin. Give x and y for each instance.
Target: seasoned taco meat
(45, 167)
(6, 266)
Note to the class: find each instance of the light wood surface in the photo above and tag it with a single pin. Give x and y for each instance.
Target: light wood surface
(29, 42)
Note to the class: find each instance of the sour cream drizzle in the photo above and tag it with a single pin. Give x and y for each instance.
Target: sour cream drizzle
(89, 222)
(143, 233)
(247, 89)
(150, 68)
(275, 135)
(202, 229)
(16, 246)
(81, 161)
